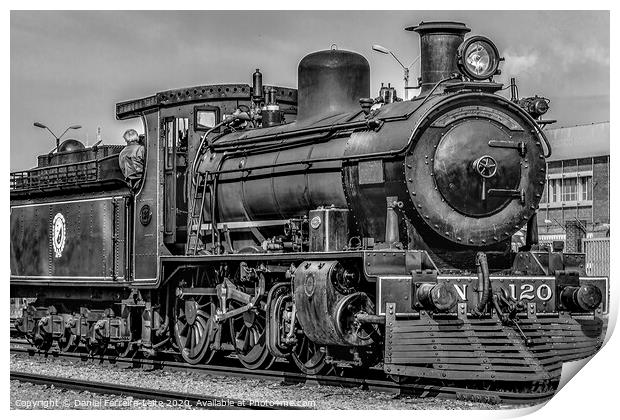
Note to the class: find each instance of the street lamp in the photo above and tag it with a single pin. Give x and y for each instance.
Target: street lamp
(383, 50)
(71, 127)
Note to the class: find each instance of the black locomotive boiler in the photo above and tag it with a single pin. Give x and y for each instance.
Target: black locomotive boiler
(317, 225)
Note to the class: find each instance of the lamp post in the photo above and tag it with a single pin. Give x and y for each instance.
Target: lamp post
(383, 50)
(71, 127)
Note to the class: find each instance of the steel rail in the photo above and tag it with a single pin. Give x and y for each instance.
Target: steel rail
(373, 379)
(166, 396)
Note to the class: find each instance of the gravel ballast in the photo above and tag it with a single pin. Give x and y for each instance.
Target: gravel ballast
(255, 391)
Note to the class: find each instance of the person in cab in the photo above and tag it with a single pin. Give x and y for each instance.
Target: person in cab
(131, 159)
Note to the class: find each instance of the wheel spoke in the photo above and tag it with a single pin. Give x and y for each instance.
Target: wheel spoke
(183, 330)
(202, 314)
(188, 338)
(196, 333)
(314, 359)
(245, 340)
(308, 349)
(255, 336)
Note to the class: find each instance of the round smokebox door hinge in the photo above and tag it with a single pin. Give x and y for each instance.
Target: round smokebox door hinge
(145, 214)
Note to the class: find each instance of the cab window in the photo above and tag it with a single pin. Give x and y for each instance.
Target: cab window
(205, 117)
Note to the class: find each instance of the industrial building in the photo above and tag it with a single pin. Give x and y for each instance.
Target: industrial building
(575, 204)
(577, 181)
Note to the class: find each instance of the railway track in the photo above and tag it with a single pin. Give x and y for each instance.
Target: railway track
(167, 397)
(373, 379)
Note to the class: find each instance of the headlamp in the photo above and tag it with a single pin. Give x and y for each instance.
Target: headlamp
(478, 58)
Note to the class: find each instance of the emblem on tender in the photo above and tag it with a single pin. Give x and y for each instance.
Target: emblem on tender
(59, 235)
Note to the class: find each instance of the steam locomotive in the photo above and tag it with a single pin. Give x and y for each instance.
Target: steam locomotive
(317, 225)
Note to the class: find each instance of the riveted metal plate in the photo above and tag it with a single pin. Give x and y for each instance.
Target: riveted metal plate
(398, 290)
(371, 172)
(477, 111)
(396, 262)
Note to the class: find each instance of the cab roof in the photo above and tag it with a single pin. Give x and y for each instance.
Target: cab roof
(204, 93)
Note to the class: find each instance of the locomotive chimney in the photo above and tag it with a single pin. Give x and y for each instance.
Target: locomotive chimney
(439, 42)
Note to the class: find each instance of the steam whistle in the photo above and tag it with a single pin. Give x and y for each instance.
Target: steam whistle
(257, 87)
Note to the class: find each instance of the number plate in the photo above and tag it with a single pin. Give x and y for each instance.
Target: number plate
(538, 290)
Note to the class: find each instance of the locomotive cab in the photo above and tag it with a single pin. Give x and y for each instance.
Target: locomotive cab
(175, 123)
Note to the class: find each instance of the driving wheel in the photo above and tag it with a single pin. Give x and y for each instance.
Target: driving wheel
(249, 338)
(195, 328)
(309, 357)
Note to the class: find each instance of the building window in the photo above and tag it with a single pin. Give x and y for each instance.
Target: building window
(585, 188)
(555, 188)
(572, 189)
(569, 189)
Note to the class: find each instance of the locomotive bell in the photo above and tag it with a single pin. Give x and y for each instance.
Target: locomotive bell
(439, 43)
(331, 82)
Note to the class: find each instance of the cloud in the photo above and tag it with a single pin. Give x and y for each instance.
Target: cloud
(584, 56)
(559, 66)
(520, 63)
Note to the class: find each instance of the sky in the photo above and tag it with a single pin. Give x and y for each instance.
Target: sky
(71, 67)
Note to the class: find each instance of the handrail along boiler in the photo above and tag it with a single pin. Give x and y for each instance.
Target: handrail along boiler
(319, 225)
